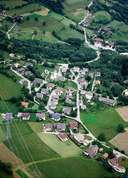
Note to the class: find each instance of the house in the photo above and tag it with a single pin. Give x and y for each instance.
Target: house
(63, 137)
(8, 116)
(89, 95)
(40, 116)
(73, 125)
(39, 96)
(48, 127)
(50, 86)
(108, 101)
(79, 138)
(44, 91)
(37, 81)
(98, 42)
(114, 163)
(60, 127)
(91, 151)
(56, 116)
(24, 82)
(67, 110)
(24, 115)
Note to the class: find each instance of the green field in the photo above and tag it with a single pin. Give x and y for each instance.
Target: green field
(27, 145)
(75, 9)
(8, 88)
(105, 121)
(78, 167)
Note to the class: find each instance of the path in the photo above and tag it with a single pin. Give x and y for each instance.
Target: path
(8, 32)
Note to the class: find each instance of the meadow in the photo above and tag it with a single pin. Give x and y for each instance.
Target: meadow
(77, 167)
(8, 88)
(105, 121)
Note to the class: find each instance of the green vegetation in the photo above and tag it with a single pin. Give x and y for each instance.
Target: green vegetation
(105, 122)
(22, 174)
(5, 170)
(8, 88)
(25, 147)
(73, 168)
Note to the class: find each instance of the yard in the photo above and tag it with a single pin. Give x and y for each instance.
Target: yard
(77, 167)
(105, 121)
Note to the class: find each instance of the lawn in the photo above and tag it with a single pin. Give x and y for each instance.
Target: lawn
(105, 121)
(78, 167)
(27, 145)
(8, 88)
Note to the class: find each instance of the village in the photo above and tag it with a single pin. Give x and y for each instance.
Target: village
(61, 95)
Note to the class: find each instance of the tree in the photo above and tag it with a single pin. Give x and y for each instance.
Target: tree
(102, 137)
(120, 128)
(36, 18)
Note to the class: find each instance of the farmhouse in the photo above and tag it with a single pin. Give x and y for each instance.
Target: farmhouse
(60, 127)
(114, 163)
(63, 137)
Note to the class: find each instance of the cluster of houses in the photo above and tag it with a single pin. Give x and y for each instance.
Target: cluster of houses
(113, 162)
(99, 43)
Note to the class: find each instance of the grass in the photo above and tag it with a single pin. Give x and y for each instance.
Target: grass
(27, 145)
(2, 135)
(22, 174)
(105, 121)
(75, 9)
(77, 167)
(64, 149)
(8, 88)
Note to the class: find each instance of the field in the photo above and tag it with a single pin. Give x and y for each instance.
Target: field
(120, 141)
(75, 9)
(29, 144)
(105, 121)
(8, 88)
(123, 112)
(77, 167)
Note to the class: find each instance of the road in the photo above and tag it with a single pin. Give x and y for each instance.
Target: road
(21, 76)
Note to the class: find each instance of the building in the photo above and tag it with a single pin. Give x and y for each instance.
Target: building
(60, 127)
(79, 138)
(73, 125)
(25, 104)
(56, 116)
(24, 115)
(40, 116)
(39, 96)
(8, 116)
(48, 128)
(37, 81)
(114, 163)
(108, 101)
(67, 110)
(91, 151)
(63, 137)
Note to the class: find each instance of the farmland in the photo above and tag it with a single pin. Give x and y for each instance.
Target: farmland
(105, 121)
(25, 147)
(79, 167)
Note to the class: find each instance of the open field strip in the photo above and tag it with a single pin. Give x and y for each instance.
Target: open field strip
(123, 112)
(105, 121)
